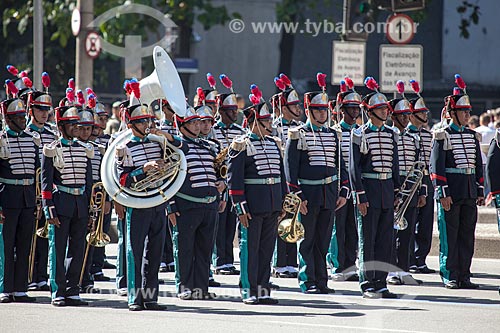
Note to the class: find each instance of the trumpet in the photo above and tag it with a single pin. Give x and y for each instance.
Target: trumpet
(97, 237)
(290, 229)
(407, 191)
(38, 215)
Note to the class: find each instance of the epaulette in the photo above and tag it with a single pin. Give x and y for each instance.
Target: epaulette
(50, 130)
(49, 150)
(102, 149)
(479, 136)
(356, 135)
(121, 150)
(337, 129)
(276, 139)
(439, 134)
(239, 143)
(293, 133)
(89, 148)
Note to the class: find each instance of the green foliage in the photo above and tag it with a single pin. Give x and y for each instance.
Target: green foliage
(469, 14)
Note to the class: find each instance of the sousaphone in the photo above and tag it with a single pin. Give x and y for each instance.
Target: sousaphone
(165, 83)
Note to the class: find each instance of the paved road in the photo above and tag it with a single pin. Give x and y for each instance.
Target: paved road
(429, 308)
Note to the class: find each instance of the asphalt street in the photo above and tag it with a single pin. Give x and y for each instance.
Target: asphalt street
(427, 308)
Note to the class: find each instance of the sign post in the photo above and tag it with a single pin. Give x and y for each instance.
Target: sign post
(348, 59)
(400, 62)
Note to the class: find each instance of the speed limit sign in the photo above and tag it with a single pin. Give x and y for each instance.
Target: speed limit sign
(400, 29)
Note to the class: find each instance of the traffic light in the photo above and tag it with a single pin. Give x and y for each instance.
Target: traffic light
(357, 14)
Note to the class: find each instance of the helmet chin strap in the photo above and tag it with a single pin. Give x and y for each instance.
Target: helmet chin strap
(265, 128)
(16, 125)
(140, 132)
(456, 118)
(65, 132)
(293, 113)
(344, 109)
(316, 120)
(189, 131)
(398, 121)
(419, 119)
(376, 116)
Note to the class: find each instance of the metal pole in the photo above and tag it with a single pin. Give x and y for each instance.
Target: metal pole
(84, 71)
(37, 44)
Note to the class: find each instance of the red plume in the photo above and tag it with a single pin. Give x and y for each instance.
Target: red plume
(285, 80)
(279, 83)
(126, 86)
(70, 95)
(71, 83)
(415, 86)
(226, 81)
(12, 70)
(211, 80)
(11, 88)
(46, 80)
(256, 91)
(89, 91)
(400, 85)
(371, 84)
(460, 82)
(321, 78)
(27, 82)
(254, 99)
(23, 74)
(79, 95)
(91, 101)
(343, 86)
(201, 96)
(349, 82)
(134, 85)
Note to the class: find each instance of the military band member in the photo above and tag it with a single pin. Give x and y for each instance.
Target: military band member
(225, 130)
(164, 121)
(37, 104)
(457, 175)
(374, 174)
(66, 185)
(425, 215)
(408, 154)
(315, 168)
(287, 113)
(342, 253)
(135, 159)
(257, 187)
(193, 212)
(18, 164)
(207, 122)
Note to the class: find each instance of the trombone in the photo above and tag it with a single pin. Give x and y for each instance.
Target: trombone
(96, 237)
(407, 192)
(38, 215)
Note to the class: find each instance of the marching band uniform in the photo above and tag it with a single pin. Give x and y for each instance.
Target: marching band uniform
(18, 164)
(285, 257)
(457, 172)
(195, 207)
(66, 184)
(131, 159)
(223, 257)
(162, 110)
(313, 157)
(343, 248)
(374, 174)
(257, 187)
(425, 215)
(408, 154)
(47, 136)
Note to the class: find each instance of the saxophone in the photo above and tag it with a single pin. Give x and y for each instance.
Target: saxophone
(220, 165)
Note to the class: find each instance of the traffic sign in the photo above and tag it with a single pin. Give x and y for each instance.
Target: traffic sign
(348, 58)
(93, 44)
(76, 21)
(400, 29)
(400, 62)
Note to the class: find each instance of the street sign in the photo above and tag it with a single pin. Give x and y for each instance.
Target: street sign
(400, 29)
(348, 58)
(76, 21)
(400, 62)
(93, 44)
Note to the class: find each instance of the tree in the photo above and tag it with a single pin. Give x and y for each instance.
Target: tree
(57, 28)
